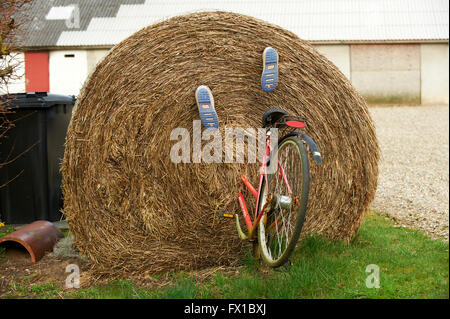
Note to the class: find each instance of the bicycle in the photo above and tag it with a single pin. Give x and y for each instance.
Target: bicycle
(282, 196)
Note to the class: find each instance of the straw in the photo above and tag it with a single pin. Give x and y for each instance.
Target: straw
(131, 210)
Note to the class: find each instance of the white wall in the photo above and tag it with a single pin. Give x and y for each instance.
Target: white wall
(394, 73)
(67, 73)
(382, 73)
(434, 75)
(339, 54)
(94, 57)
(18, 84)
(386, 73)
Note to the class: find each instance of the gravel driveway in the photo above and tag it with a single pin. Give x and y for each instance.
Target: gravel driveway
(413, 185)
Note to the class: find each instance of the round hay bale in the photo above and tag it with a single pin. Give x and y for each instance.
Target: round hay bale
(130, 209)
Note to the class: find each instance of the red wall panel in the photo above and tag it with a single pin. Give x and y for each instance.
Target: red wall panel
(36, 72)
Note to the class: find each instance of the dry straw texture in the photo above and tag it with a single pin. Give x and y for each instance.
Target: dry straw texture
(131, 209)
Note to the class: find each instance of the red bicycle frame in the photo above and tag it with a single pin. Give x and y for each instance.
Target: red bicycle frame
(252, 225)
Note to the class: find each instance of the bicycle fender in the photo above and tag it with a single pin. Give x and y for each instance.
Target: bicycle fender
(312, 146)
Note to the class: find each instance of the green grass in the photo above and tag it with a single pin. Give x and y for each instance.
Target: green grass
(411, 266)
(4, 230)
(182, 288)
(42, 291)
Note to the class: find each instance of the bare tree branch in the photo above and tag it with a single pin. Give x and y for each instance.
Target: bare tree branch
(12, 18)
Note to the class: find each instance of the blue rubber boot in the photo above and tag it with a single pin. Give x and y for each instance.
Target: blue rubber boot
(269, 77)
(205, 104)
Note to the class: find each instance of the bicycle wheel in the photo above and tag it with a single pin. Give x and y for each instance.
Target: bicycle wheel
(280, 226)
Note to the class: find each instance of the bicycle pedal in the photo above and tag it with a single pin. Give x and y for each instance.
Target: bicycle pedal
(225, 215)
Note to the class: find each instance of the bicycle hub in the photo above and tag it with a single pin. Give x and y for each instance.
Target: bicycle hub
(281, 201)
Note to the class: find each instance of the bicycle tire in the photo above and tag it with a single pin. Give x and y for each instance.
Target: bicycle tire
(300, 211)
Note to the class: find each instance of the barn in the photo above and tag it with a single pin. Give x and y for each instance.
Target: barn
(393, 51)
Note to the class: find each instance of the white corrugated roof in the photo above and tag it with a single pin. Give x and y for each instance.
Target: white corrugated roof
(313, 20)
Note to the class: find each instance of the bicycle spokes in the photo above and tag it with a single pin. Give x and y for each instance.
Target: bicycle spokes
(279, 229)
(282, 224)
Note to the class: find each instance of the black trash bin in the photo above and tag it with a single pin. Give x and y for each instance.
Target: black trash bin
(30, 181)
